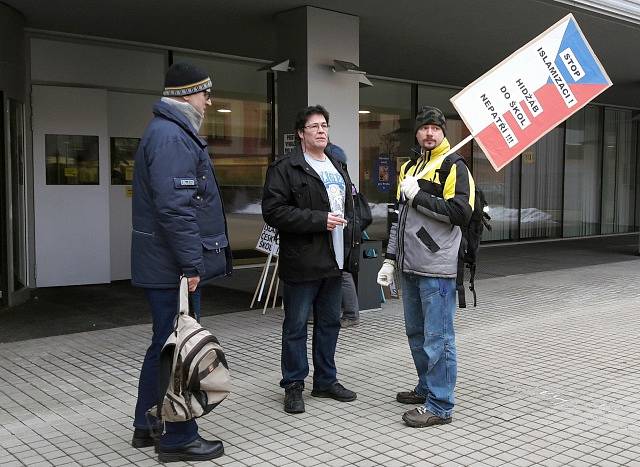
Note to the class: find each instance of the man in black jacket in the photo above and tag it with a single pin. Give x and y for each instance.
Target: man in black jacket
(304, 198)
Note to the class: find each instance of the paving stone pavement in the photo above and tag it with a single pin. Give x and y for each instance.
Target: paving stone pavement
(548, 374)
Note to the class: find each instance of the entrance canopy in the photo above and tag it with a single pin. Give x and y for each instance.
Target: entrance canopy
(440, 42)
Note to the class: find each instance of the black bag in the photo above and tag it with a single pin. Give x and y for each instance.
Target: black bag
(363, 211)
(471, 233)
(362, 219)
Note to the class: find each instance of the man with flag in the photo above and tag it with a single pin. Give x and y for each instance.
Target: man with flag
(423, 245)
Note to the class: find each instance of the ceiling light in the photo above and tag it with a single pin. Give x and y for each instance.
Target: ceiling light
(364, 111)
(224, 111)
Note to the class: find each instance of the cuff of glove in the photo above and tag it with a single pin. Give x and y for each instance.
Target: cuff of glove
(392, 262)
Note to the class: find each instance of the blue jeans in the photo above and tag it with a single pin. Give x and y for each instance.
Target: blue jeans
(323, 297)
(164, 306)
(429, 309)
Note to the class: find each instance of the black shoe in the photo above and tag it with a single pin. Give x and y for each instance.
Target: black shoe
(197, 450)
(410, 397)
(142, 439)
(421, 417)
(293, 401)
(336, 391)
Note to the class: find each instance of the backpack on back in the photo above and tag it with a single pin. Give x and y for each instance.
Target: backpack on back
(471, 233)
(193, 375)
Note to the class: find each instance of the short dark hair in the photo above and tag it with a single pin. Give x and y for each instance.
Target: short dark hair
(304, 114)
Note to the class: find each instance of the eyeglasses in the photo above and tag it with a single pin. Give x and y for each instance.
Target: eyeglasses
(207, 94)
(317, 126)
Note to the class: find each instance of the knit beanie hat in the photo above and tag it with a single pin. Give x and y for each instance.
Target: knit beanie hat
(183, 79)
(430, 116)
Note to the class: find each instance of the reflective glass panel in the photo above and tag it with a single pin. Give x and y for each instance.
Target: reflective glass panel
(582, 173)
(72, 160)
(619, 170)
(238, 132)
(541, 188)
(502, 192)
(123, 151)
(386, 134)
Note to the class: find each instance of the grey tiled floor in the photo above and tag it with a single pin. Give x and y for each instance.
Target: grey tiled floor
(549, 372)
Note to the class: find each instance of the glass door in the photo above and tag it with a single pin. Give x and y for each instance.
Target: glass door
(4, 267)
(18, 195)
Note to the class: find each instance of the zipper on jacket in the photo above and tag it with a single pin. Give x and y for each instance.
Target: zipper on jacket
(403, 217)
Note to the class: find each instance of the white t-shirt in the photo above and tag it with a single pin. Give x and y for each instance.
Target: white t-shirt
(334, 183)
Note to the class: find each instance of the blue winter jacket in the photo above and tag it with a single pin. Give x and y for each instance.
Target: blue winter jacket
(179, 225)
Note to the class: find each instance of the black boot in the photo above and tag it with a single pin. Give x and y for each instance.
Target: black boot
(293, 401)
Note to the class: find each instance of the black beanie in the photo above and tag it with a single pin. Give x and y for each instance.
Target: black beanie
(183, 79)
(430, 116)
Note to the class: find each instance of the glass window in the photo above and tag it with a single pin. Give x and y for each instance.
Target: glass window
(619, 169)
(386, 134)
(541, 187)
(582, 173)
(238, 132)
(123, 151)
(72, 160)
(502, 192)
(436, 96)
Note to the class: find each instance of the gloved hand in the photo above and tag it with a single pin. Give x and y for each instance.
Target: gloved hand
(385, 275)
(409, 187)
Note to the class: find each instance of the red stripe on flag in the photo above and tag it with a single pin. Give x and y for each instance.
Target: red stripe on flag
(554, 112)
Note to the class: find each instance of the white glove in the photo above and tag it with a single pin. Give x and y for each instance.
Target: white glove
(409, 187)
(385, 275)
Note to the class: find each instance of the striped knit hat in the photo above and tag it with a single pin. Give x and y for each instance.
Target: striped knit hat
(183, 79)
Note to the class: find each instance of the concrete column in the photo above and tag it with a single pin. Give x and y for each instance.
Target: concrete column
(313, 38)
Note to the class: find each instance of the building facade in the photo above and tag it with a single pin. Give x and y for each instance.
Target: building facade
(77, 89)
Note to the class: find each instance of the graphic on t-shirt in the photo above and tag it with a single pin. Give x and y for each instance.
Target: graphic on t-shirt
(335, 190)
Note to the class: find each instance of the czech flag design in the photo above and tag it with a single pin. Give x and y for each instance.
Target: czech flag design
(531, 92)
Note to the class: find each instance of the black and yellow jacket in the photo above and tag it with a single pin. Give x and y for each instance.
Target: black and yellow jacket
(425, 238)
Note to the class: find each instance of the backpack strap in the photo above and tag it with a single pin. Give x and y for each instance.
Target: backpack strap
(472, 288)
(462, 301)
(445, 167)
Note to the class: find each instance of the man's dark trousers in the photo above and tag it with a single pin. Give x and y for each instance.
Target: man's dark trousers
(324, 297)
(164, 306)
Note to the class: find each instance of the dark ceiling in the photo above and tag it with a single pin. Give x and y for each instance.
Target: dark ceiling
(450, 42)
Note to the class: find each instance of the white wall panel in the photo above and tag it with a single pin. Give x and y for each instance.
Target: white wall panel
(89, 64)
(71, 221)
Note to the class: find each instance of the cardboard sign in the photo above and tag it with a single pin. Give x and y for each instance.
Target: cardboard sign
(531, 92)
(267, 241)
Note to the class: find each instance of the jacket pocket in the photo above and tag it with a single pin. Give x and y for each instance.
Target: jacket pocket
(428, 241)
(214, 255)
(215, 242)
(301, 194)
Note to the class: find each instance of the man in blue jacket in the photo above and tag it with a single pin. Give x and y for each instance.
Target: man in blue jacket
(179, 228)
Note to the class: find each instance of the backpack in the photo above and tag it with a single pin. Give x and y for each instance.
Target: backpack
(471, 233)
(193, 373)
